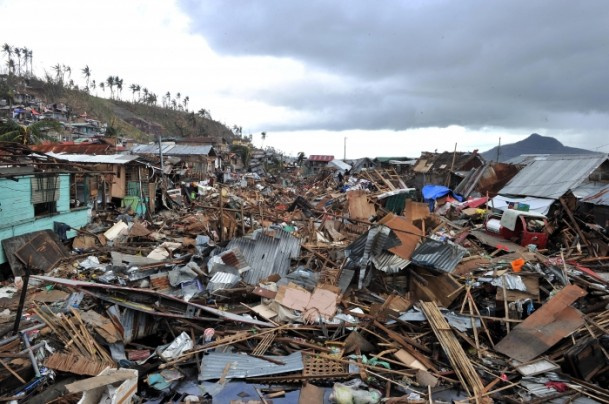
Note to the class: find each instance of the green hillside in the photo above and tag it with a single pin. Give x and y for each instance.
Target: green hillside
(140, 120)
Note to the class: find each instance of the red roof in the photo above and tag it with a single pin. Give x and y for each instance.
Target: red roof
(84, 148)
(317, 157)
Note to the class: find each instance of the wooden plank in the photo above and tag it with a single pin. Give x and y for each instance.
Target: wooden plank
(552, 322)
(99, 381)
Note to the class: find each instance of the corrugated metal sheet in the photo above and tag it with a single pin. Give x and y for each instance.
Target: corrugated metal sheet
(316, 157)
(552, 176)
(241, 366)
(389, 263)
(234, 258)
(152, 148)
(102, 159)
(82, 148)
(187, 150)
(267, 253)
(172, 149)
(588, 188)
(222, 280)
(371, 246)
(341, 165)
(438, 255)
(599, 198)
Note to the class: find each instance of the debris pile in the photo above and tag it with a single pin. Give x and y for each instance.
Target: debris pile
(346, 289)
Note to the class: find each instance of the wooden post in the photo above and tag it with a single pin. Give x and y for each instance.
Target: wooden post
(505, 303)
(221, 216)
(242, 220)
(452, 166)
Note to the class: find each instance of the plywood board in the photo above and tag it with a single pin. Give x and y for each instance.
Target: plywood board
(552, 322)
(408, 234)
(359, 207)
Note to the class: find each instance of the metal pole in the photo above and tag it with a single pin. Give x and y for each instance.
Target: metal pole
(345, 149)
(162, 167)
(498, 150)
(26, 280)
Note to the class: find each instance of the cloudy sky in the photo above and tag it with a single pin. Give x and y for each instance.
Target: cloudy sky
(392, 78)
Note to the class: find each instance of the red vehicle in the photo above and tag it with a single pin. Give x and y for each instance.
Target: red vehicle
(520, 227)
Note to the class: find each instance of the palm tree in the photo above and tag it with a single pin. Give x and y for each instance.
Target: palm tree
(8, 51)
(11, 131)
(58, 72)
(119, 86)
(134, 89)
(151, 100)
(300, 158)
(263, 137)
(110, 84)
(203, 113)
(26, 54)
(10, 64)
(67, 69)
(174, 103)
(93, 85)
(30, 56)
(17, 52)
(102, 85)
(145, 91)
(186, 101)
(86, 72)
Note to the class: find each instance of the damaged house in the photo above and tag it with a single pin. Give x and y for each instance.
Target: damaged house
(118, 177)
(548, 178)
(36, 192)
(447, 168)
(197, 161)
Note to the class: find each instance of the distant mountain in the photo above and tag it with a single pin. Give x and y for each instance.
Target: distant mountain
(534, 144)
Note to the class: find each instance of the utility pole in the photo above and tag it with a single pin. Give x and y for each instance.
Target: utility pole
(161, 157)
(345, 149)
(498, 150)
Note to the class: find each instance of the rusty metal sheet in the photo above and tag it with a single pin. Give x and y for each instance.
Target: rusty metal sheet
(13, 244)
(40, 253)
(552, 322)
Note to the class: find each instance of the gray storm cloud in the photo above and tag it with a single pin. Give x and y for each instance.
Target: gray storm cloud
(426, 63)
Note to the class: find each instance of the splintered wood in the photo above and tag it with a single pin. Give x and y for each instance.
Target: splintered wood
(77, 364)
(456, 355)
(84, 354)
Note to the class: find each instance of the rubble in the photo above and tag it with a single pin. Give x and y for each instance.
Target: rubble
(319, 288)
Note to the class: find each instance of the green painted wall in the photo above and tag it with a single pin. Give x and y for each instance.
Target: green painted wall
(17, 212)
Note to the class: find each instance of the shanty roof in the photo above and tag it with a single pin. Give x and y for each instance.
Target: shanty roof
(317, 157)
(82, 148)
(102, 159)
(151, 148)
(172, 149)
(388, 159)
(341, 165)
(554, 175)
(188, 149)
(525, 159)
(446, 161)
(599, 198)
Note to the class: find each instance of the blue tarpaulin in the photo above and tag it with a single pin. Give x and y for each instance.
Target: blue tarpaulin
(433, 192)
